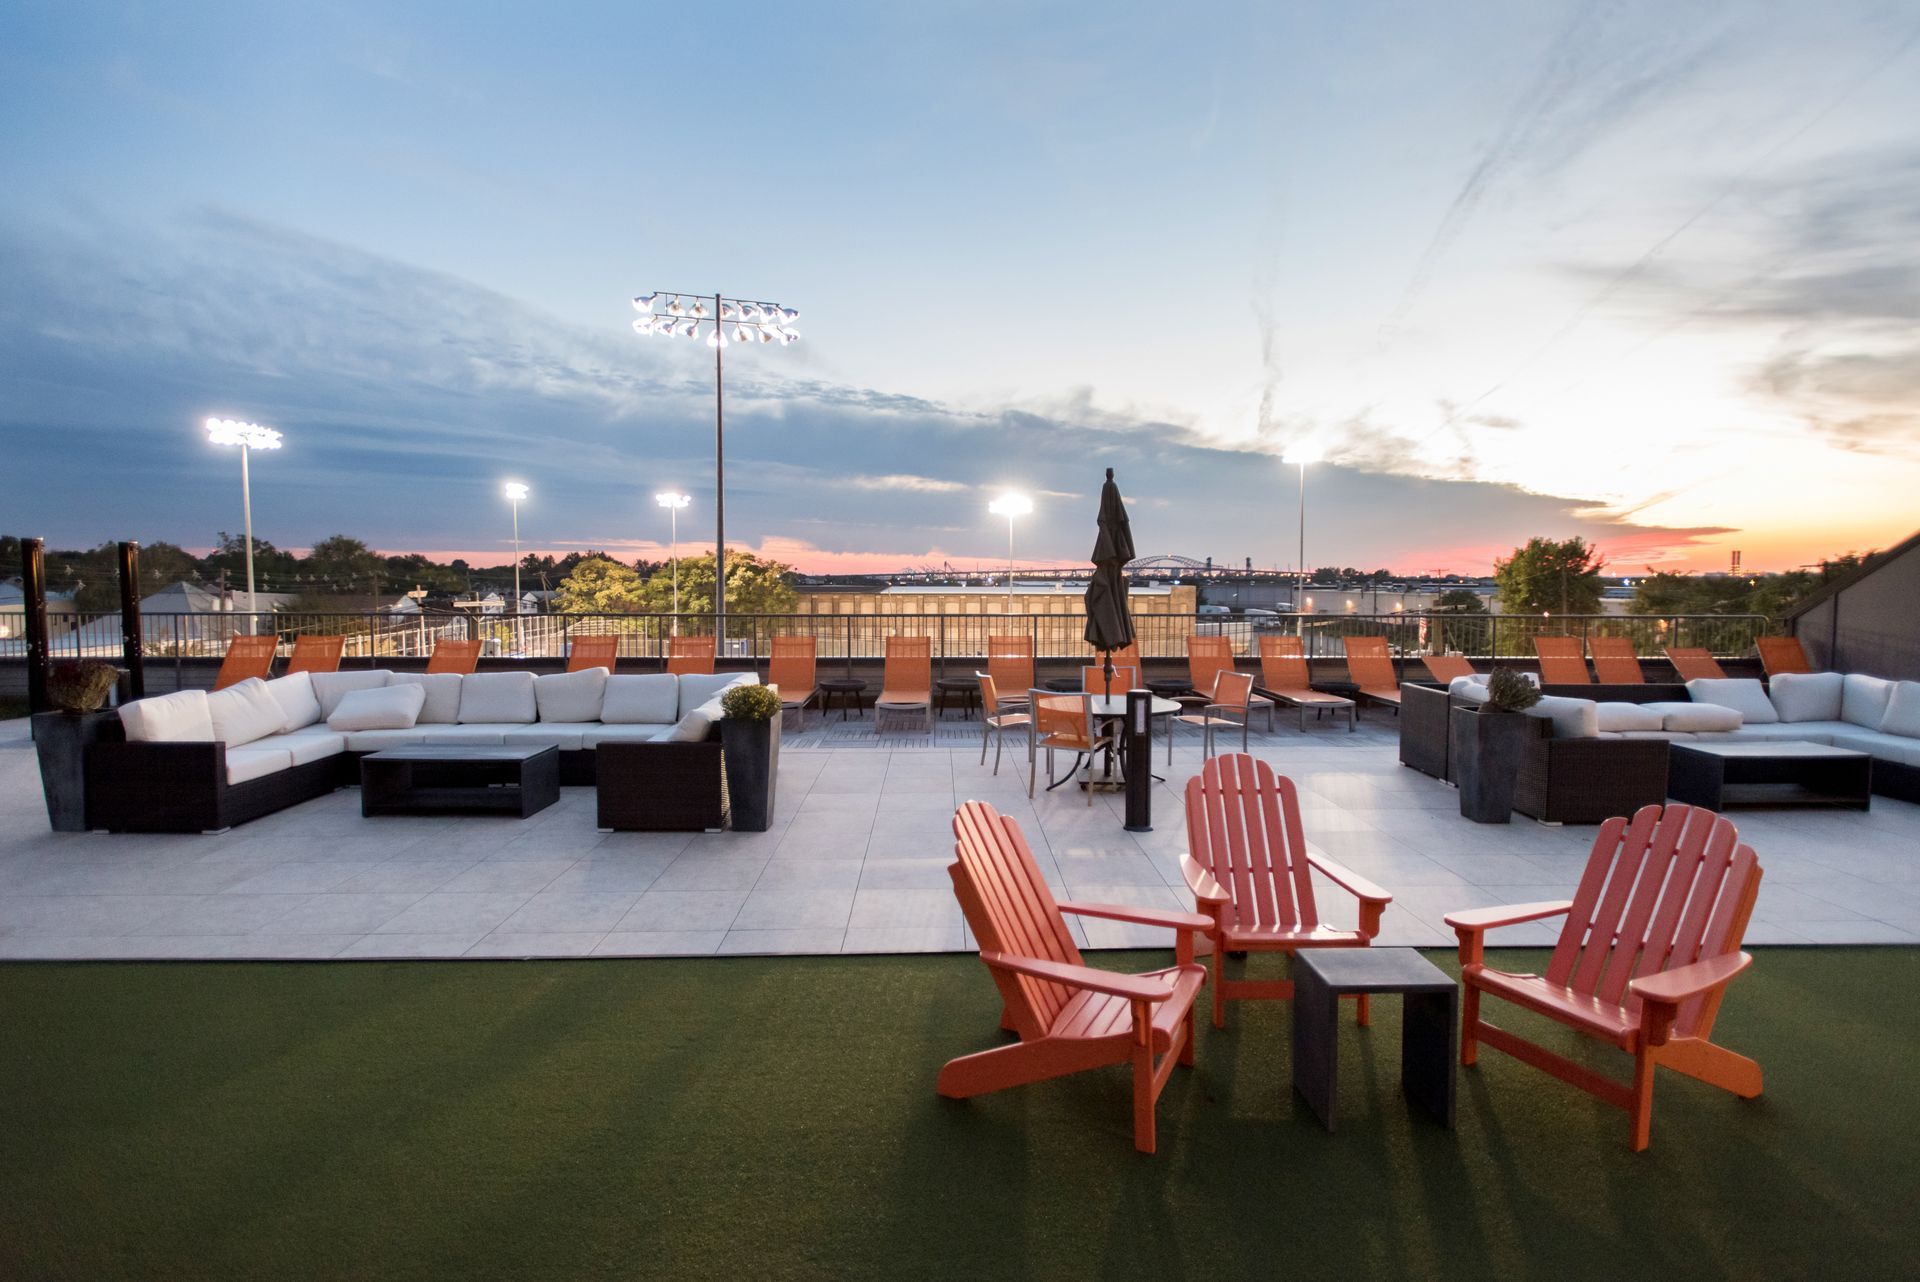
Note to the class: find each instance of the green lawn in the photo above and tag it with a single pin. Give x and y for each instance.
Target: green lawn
(770, 1118)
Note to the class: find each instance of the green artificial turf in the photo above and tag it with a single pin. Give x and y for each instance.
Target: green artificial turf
(772, 1118)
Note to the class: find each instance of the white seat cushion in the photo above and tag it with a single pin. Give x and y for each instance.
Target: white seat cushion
(330, 687)
(180, 717)
(1863, 700)
(564, 735)
(651, 698)
(1669, 735)
(1572, 718)
(244, 712)
(570, 696)
(472, 732)
(442, 707)
(1883, 746)
(1744, 695)
(490, 698)
(310, 743)
(1697, 716)
(700, 687)
(294, 694)
(254, 762)
(1810, 731)
(625, 732)
(394, 707)
(1626, 716)
(1903, 711)
(375, 740)
(1467, 690)
(1807, 696)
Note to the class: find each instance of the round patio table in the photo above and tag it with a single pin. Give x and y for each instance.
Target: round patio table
(1111, 708)
(848, 688)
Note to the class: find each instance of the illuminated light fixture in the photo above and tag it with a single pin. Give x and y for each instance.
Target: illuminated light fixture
(249, 437)
(1010, 505)
(673, 501)
(673, 306)
(645, 302)
(699, 308)
(1300, 454)
(690, 329)
(729, 312)
(718, 338)
(643, 325)
(742, 334)
(516, 493)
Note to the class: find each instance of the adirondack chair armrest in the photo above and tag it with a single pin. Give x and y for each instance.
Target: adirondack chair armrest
(1472, 923)
(1201, 882)
(1172, 919)
(1130, 987)
(1373, 900)
(1662, 994)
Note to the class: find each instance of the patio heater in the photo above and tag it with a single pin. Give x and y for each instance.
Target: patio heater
(249, 437)
(673, 501)
(515, 493)
(677, 315)
(1010, 506)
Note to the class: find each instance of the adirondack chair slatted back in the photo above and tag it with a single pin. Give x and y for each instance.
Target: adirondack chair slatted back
(1010, 661)
(1283, 663)
(454, 656)
(316, 654)
(1563, 662)
(909, 665)
(593, 652)
(247, 657)
(1782, 654)
(1207, 657)
(792, 666)
(1243, 826)
(1010, 910)
(1614, 662)
(1665, 889)
(1445, 667)
(689, 656)
(1369, 663)
(1694, 663)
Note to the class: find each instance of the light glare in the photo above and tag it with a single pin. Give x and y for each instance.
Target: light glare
(233, 431)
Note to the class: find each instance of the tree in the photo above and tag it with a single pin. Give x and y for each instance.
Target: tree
(1549, 576)
(601, 585)
(754, 586)
(1459, 601)
(273, 570)
(341, 564)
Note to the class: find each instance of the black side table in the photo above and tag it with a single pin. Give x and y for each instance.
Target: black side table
(1429, 1024)
(848, 688)
(966, 688)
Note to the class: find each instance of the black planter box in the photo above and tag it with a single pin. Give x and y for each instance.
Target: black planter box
(61, 740)
(1487, 749)
(753, 766)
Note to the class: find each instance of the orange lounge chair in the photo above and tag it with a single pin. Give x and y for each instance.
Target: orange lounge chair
(1010, 663)
(1445, 667)
(906, 682)
(1615, 663)
(995, 723)
(1694, 663)
(1251, 871)
(1062, 722)
(1782, 654)
(1562, 662)
(690, 656)
(1664, 901)
(1093, 679)
(792, 668)
(1284, 678)
(454, 656)
(593, 652)
(247, 657)
(1370, 665)
(316, 654)
(1069, 1017)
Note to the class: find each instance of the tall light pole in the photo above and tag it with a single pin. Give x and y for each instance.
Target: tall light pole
(688, 316)
(1300, 455)
(515, 492)
(673, 501)
(1010, 505)
(249, 437)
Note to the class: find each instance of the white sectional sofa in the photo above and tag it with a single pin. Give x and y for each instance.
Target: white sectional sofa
(193, 761)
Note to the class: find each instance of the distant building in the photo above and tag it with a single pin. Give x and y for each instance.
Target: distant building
(1864, 621)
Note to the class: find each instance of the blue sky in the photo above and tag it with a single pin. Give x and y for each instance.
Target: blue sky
(1640, 272)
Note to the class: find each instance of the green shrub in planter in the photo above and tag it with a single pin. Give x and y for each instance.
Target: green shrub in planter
(81, 685)
(750, 703)
(1508, 691)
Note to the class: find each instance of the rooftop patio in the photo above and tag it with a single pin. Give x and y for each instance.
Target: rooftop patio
(855, 862)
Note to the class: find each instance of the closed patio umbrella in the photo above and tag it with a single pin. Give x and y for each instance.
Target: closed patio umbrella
(1109, 625)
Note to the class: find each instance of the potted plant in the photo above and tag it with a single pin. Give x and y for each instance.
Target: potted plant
(79, 691)
(1490, 740)
(750, 744)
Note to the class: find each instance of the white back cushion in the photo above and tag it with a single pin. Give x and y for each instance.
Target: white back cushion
(245, 712)
(1744, 695)
(1698, 718)
(1572, 718)
(1903, 711)
(1467, 690)
(294, 694)
(697, 688)
(649, 699)
(330, 687)
(570, 696)
(393, 707)
(180, 717)
(442, 707)
(1807, 696)
(695, 726)
(497, 697)
(1864, 700)
(1626, 716)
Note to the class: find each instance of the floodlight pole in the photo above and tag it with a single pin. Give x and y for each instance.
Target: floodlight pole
(246, 504)
(1299, 597)
(719, 494)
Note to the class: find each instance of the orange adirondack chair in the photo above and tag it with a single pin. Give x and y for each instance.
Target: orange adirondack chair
(906, 682)
(1694, 663)
(1615, 663)
(454, 656)
(1284, 677)
(1251, 872)
(316, 654)
(1069, 1016)
(1561, 661)
(689, 656)
(593, 652)
(1651, 941)
(1010, 663)
(247, 657)
(1370, 664)
(792, 667)
(1782, 654)
(1445, 667)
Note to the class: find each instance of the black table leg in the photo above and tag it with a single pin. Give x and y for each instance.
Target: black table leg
(1316, 1043)
(1429, 1028)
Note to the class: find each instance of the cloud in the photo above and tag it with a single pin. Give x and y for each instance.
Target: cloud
(902, 483)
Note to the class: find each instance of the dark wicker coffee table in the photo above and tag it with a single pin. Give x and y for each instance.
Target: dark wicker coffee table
(1782, 772)
(1429, 1025)
(487, 779)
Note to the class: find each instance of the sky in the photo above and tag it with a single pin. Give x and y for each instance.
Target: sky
(1646, 273)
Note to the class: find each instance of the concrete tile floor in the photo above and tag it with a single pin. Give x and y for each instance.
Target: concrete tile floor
(856, 862)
